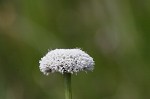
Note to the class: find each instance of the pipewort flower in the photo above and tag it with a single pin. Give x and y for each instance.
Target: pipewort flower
(67, 62)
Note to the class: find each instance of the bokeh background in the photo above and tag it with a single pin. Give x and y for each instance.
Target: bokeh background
(116, 33)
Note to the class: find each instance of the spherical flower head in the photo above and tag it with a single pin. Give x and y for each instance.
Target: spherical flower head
(66, 61)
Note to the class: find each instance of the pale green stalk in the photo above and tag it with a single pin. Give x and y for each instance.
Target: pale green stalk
(67, 82)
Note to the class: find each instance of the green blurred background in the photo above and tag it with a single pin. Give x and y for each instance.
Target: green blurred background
(116, 33)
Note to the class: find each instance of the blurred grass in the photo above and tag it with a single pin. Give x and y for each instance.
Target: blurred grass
(115, 33)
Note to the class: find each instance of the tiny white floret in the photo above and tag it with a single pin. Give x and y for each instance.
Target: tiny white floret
(66, 61)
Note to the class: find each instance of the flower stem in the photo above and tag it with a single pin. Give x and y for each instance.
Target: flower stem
(67, 82)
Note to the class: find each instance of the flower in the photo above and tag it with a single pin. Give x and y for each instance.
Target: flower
(66, 61)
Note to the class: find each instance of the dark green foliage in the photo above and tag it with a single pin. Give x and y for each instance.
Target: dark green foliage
(115, 33)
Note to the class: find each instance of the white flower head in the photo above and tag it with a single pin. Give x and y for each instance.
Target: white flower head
(66, 61)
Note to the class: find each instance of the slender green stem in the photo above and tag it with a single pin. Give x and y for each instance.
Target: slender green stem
(67, 81)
